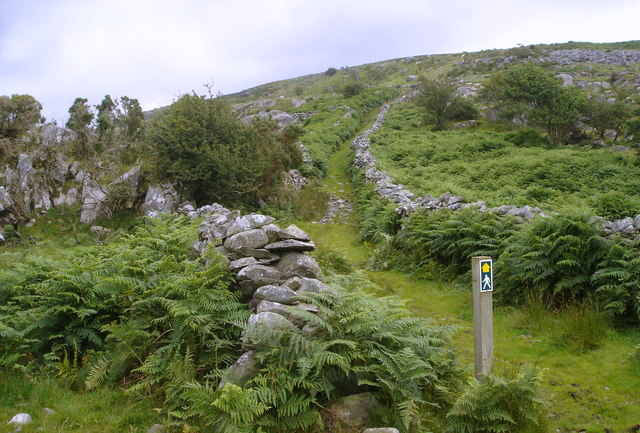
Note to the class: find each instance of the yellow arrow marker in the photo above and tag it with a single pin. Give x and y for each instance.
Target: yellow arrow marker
(486, 268)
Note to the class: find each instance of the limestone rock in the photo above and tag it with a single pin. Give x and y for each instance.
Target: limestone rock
(94, 197)
(249, 222)
(254, 276)
(241, 263)
(286, 311)
(270, 320)
(311, 285)
(290, 245)
(245, 241)
(293, 283)
(295, 264)
(5, 201)
(241, 371)
(214, 226)
(273, 293)
(158, 428)
(129, 183)
(294, 232)
(21, 419)
(354, 409)
(160, 199)
(272, 231)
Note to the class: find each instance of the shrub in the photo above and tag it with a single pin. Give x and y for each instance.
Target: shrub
(527, 137)
(352, 89)
(202, 145)
(330, 71)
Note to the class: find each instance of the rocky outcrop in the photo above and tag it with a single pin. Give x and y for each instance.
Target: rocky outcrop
(617, 57)
(160, 199)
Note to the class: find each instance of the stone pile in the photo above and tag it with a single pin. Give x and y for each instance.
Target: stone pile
(617, 57)
(272, 268)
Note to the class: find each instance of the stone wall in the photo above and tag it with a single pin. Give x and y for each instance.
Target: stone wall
(407, 202)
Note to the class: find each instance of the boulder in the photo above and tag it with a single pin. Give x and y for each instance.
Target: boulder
(21, 419)
(129, 185)
(294, 232)
(158, 428)
(290, 245)
(286, 311)
(94, 197)
(241, 371)
(272, 231)
(294, 264)
(293, 283)
(253, 277)
(273, 293)
(214, 226)
(249, 222)
(354, 409)
(5, 201)
(160, 199)
(246, 241)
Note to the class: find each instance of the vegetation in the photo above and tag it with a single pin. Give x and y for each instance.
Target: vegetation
(441, 102)
(202, 145)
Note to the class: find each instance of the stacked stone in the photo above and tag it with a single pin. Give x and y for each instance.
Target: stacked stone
(272, 268)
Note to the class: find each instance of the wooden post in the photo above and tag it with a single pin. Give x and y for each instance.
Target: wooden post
(482, 268)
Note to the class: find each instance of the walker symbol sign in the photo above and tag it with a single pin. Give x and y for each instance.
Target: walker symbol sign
(486, 276)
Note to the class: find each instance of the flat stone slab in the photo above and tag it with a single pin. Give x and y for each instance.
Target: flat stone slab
(246, 241)
(294, 232)
(248, 222)
(290, 245)
(242, 263)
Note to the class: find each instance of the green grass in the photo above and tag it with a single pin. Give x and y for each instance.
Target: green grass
(587, 389)
(101, 411)
(481, 165)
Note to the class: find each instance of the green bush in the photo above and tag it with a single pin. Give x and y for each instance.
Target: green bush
(352, 89)
(509, 404)
(527, 137)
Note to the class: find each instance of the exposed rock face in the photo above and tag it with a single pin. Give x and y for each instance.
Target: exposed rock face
(617, 57)
(129, 184)
(242, 370)
(6, 202)
(94, 197)
(160, 199)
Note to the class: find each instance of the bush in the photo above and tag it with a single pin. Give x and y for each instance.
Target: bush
(527, 137)
(352, 89)
(202, 145)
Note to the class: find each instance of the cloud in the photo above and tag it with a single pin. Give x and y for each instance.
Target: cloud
(155, 50)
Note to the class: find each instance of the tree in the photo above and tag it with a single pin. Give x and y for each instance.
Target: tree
(605, 116)
(201, 144)
(105, 120)
(130, 118)
(18, 114)
(441, 102)
(537, 95)
(352, 89)
(80, 119)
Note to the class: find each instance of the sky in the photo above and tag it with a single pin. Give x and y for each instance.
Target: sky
(157, 50)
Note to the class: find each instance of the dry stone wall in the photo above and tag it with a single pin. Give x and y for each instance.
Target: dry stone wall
(407, 202)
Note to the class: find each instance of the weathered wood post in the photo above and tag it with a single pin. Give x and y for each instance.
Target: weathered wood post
(482, 268)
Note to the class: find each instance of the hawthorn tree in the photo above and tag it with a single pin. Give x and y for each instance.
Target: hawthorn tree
(18, 114)
(441, 102)
(538, 95)
(201, 145)
(80, 121)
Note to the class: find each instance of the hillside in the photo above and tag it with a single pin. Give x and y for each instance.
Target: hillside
(223, 264)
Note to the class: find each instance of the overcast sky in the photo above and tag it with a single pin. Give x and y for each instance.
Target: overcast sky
(156, 50)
